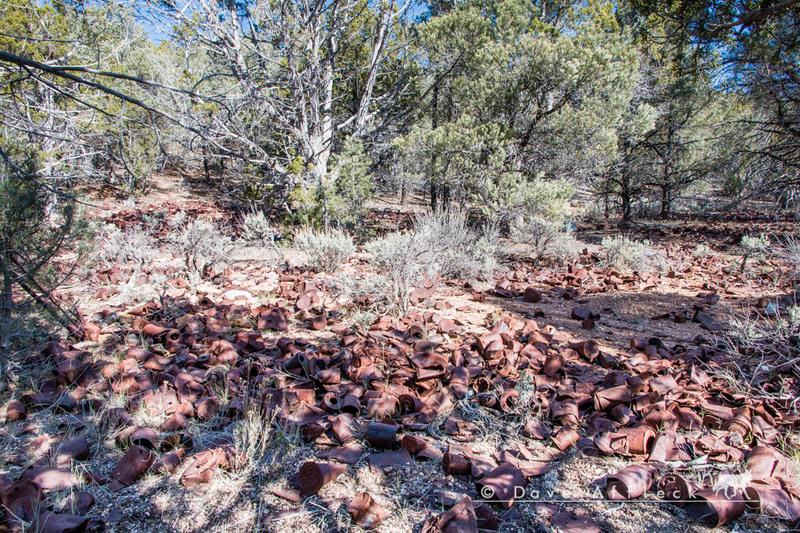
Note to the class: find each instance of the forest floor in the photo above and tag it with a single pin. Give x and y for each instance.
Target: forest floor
(244, 430)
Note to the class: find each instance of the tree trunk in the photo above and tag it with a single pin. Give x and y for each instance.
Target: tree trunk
(626, 208)
(666, 203)
(362, 113)
(625, 199)
(320, 126)
(6, 305)
(435, 124)
(205, 165)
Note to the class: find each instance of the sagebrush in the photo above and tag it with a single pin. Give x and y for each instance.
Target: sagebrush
(202, 244)
(255, 228)
(134, 245)
(405, 260)
(753, 246)
(760, 348)
(625, 253)
(458, 250)
(326, 249)
(544, 238)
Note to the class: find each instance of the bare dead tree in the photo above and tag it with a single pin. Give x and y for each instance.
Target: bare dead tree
(281, 68)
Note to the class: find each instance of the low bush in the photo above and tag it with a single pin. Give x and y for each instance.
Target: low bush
(753, 246)
(439, 245)
(360, 293)
(362, 319)
(134, 292)
(762, 348)
(154, 221)
(256, 229)
(701, 251)
(405, 259)
(326, 250)
(544, 239)
(201, 243)
(790, 252)
(627, 254)
(459, 251)
(135, 245)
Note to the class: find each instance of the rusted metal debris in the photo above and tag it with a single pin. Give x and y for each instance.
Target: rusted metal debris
(382, 386)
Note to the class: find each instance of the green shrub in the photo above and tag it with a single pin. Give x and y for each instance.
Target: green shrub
(350, 185)
(513, 195)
